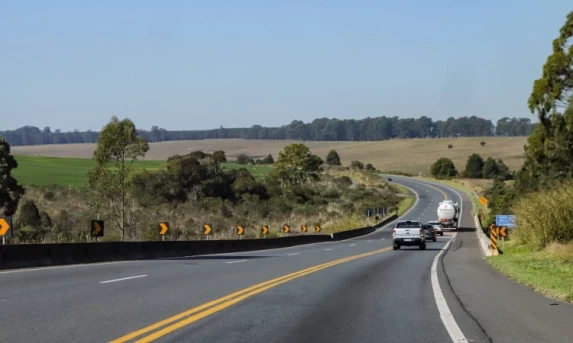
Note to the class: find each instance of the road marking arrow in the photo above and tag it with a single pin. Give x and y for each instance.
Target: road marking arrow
(264, 229)
(303, 228)
(4, 226)
(163, 228)
(207, 229)
(286, 229)
(240, 230)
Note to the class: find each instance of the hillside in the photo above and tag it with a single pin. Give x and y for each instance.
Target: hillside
(407, 155)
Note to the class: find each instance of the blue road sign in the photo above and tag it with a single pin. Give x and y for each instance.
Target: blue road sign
(505, 220)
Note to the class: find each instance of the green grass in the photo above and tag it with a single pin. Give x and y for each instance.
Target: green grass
(40, 171)
(407, 201)
(547, 271)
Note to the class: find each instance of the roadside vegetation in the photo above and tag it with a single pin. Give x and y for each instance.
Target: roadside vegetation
(539, 251)
(132, 194)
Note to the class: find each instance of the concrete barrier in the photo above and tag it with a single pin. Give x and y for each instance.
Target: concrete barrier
(43, 255)
(342, 235)
(483, 239)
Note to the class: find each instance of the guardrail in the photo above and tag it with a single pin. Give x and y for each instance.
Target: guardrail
(43, 255)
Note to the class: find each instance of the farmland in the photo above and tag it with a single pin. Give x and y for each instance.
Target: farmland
(406, 155)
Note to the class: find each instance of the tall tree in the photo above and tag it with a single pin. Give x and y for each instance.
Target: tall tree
(297, 165)
(332, 158)
(118, 147)
(474, 167)
(10, 190)
(490, 169)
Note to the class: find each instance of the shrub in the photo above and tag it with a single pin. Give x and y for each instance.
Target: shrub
(243, 159)
(544, 217)
(369, 167)
(333, 159)
(482, 143)
(450, 146)
(268, 160)
(443, 168)
(356, 165)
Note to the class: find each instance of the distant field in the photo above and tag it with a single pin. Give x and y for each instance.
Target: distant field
(35, 170)
(407, 155)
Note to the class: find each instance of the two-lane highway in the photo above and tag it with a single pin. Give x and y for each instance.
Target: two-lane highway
(355, 290)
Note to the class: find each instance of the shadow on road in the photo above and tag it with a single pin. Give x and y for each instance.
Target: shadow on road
(224, 257)
(464, 229)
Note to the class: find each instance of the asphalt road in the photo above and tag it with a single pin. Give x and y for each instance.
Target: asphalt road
(368, 293)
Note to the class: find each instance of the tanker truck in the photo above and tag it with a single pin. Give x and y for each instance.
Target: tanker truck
(448, 214)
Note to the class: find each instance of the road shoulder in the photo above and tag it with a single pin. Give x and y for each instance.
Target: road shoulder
(505, 310)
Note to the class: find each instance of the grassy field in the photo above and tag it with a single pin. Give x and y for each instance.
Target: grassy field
(407, 155)
(35, 170)
(548, 271)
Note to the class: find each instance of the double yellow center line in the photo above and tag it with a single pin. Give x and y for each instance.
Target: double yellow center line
(182, 319)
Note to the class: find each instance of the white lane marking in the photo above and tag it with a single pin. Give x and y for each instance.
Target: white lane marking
(382, 238)
(294, 254)
(448, 320)
(352, 244)
(328, 249)
(123, 279)
(238, 261)
(369, 241)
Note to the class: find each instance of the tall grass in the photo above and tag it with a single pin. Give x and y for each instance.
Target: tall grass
(544, 217)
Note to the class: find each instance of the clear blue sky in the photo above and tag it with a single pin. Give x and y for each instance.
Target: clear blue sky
(201, 64)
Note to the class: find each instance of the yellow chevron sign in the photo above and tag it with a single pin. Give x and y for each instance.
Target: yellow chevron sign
(5, 226)
(240, 230)
(163, 228)
(317, 228)
(97, 227)
(264, 229)
(303, 228)
(207, 229)
(286, 228)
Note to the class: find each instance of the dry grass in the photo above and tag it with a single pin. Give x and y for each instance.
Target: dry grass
(407, 155)
(562, 252)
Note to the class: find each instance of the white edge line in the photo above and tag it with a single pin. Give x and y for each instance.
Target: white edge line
(353, 244)
(328, 249)
(123, 279)
(448, 320)
(237, 261)
(294, 254)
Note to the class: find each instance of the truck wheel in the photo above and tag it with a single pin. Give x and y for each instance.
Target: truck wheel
(396, 247)
(441, 233)
(423, 246)
(433, 240)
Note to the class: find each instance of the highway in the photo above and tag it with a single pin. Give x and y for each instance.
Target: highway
(358, 290)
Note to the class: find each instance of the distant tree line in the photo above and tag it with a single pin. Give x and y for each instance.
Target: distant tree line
(323, 129)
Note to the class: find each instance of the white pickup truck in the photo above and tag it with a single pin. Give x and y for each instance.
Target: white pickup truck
(409, 233)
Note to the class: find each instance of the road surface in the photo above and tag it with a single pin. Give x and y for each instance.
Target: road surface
(358, 290)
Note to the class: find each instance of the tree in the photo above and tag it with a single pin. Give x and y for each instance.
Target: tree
(268, 160)
(356, 165)
(219, 156)
(243, 159)
(297, 165)
(369, 166)
(443, 168)
(332, 159)
(490, 169)
(555, 87)
(29, 215)
(118, 146)
(10, 190)
(474, 166)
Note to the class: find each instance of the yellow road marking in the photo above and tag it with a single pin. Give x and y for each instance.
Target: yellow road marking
(217, 305)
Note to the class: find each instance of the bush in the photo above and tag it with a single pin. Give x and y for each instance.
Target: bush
(369, 167)
(482, 143)
(356, 165)
(268, 160)
(450, 146)
(333, 159)
(243, 159)
(443, 168)
(544, 217)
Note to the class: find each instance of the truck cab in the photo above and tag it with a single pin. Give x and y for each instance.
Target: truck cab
(409, 233)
